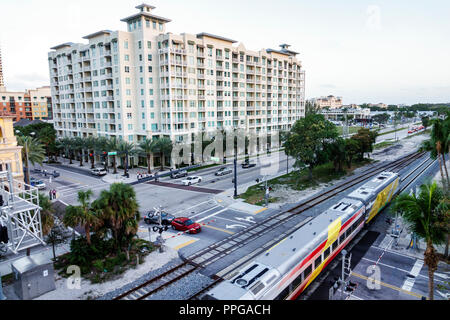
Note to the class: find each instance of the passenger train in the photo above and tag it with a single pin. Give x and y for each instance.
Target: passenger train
(288, 268)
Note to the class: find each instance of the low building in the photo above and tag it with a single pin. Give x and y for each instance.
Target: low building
(379, 105)
(330, 102)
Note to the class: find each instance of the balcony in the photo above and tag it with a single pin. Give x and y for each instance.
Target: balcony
(201, 97)
(87, 79)
(220, 98)
(108, 75)
(110, 98)
(250, 63)
(201, 76)
(90, 99)
(201, 65)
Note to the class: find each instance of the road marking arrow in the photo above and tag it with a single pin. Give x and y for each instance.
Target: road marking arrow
(235, 226)
(248, 219)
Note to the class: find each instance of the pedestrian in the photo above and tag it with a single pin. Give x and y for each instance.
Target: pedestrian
(50, 194)
(54, 194)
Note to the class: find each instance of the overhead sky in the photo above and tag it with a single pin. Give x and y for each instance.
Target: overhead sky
(365, 51)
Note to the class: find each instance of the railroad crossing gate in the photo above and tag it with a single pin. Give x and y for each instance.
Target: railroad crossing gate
(20, 213)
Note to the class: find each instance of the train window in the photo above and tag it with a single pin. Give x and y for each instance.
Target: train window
(318, 262)
(297, 281)
(283, 295)
(342, 238)
(326, 253)
(334, 245)
(307, 271)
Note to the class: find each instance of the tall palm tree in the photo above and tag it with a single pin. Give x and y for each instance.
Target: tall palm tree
(82, 215)
(90, 144)
(125, 149)
(47, 210)
(101, 146)
(32, 151)
(119, 210)
(146, 147)
(113, 146)
(163, 146)
(68, 146)
(79, 145)
(424, 215)
(47, 136)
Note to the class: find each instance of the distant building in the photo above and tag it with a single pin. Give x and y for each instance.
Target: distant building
(29, 104)
(330, 102)
(379, 105)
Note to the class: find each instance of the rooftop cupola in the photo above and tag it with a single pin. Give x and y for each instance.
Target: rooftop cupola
(145, 7)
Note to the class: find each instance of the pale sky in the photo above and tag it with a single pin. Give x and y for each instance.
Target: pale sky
(392, 51)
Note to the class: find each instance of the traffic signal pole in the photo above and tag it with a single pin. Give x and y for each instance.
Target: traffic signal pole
(235, 176)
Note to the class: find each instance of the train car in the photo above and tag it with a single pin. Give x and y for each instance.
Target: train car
(377, 193)
(288, 268)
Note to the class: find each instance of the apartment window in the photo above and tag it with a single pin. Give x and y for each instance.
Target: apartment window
(154, 25)
(149, 44)
(152, 115)
(127, 80)
(125, 44)
(127, 69)
(152, 104)
(139, 44)
(150, 58)
(150, 69)
(150, 92)
(161, 27)
(150, 80)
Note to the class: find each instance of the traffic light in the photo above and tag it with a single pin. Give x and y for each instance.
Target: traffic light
(4, 234)
(91, 155)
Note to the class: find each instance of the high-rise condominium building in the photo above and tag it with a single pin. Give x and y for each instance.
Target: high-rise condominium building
(147, 82)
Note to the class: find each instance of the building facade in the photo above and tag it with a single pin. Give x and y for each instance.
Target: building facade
(10, 152)
(31, 104)
(147, 82)
(330, 102)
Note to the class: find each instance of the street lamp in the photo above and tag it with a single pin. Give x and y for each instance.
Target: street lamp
(26, 153)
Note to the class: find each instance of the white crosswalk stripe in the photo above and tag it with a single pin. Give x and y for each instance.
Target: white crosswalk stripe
(409, 283)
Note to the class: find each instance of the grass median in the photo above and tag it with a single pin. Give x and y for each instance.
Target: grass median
(298, 180)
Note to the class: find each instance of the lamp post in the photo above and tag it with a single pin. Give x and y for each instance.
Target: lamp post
(26, 154)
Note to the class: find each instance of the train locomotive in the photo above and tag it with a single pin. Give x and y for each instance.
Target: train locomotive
(284, 271)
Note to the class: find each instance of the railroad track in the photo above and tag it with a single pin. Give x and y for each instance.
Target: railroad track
(226, 246)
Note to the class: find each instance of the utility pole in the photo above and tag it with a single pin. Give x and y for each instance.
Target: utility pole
(235, 176)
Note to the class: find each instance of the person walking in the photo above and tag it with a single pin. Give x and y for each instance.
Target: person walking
(54, 194)
(50, 194)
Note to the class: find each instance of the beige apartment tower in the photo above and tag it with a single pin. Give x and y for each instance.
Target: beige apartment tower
(146, 82)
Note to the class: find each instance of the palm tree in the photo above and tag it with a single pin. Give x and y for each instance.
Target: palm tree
(47, 210)
(163, 146)
(119, 210)
(338, 153)
(125, 149)
(68, 146)
(90, 144)
(101, 146)
(47, 136)
(146, 147)
(438, 145)
(113, 146)
(32, 151)
(424, 215)
(79, 145)
(82, 215)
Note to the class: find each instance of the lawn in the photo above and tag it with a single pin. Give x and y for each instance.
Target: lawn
(298, 180)
(351, 130)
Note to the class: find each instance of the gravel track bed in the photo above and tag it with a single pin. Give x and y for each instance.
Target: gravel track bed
(141, 280)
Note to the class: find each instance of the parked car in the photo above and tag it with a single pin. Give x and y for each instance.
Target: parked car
(248, 164)
(37, 183)
(179, 174)
(99, 172)
(186, 224)
(153, 218)
(223, 171)
(191, 180)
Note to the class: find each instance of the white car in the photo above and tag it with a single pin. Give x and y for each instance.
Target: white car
(99, 172)
(191, 180)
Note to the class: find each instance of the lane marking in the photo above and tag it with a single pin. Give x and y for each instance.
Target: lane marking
(394, 252)
(409, 282)
(218, 229)
(212, 215)
(262, 210)
(388, 285)
(234, 221)
(185, 244)
(199, 214)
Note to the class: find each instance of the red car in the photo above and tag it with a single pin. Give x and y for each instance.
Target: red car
(186, 224)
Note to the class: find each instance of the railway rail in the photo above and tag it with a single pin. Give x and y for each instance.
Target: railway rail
(226, 246)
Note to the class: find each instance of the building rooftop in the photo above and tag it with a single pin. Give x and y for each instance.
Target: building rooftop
(209, 35)
(99, 33)
(64, 45)
(145, 14)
